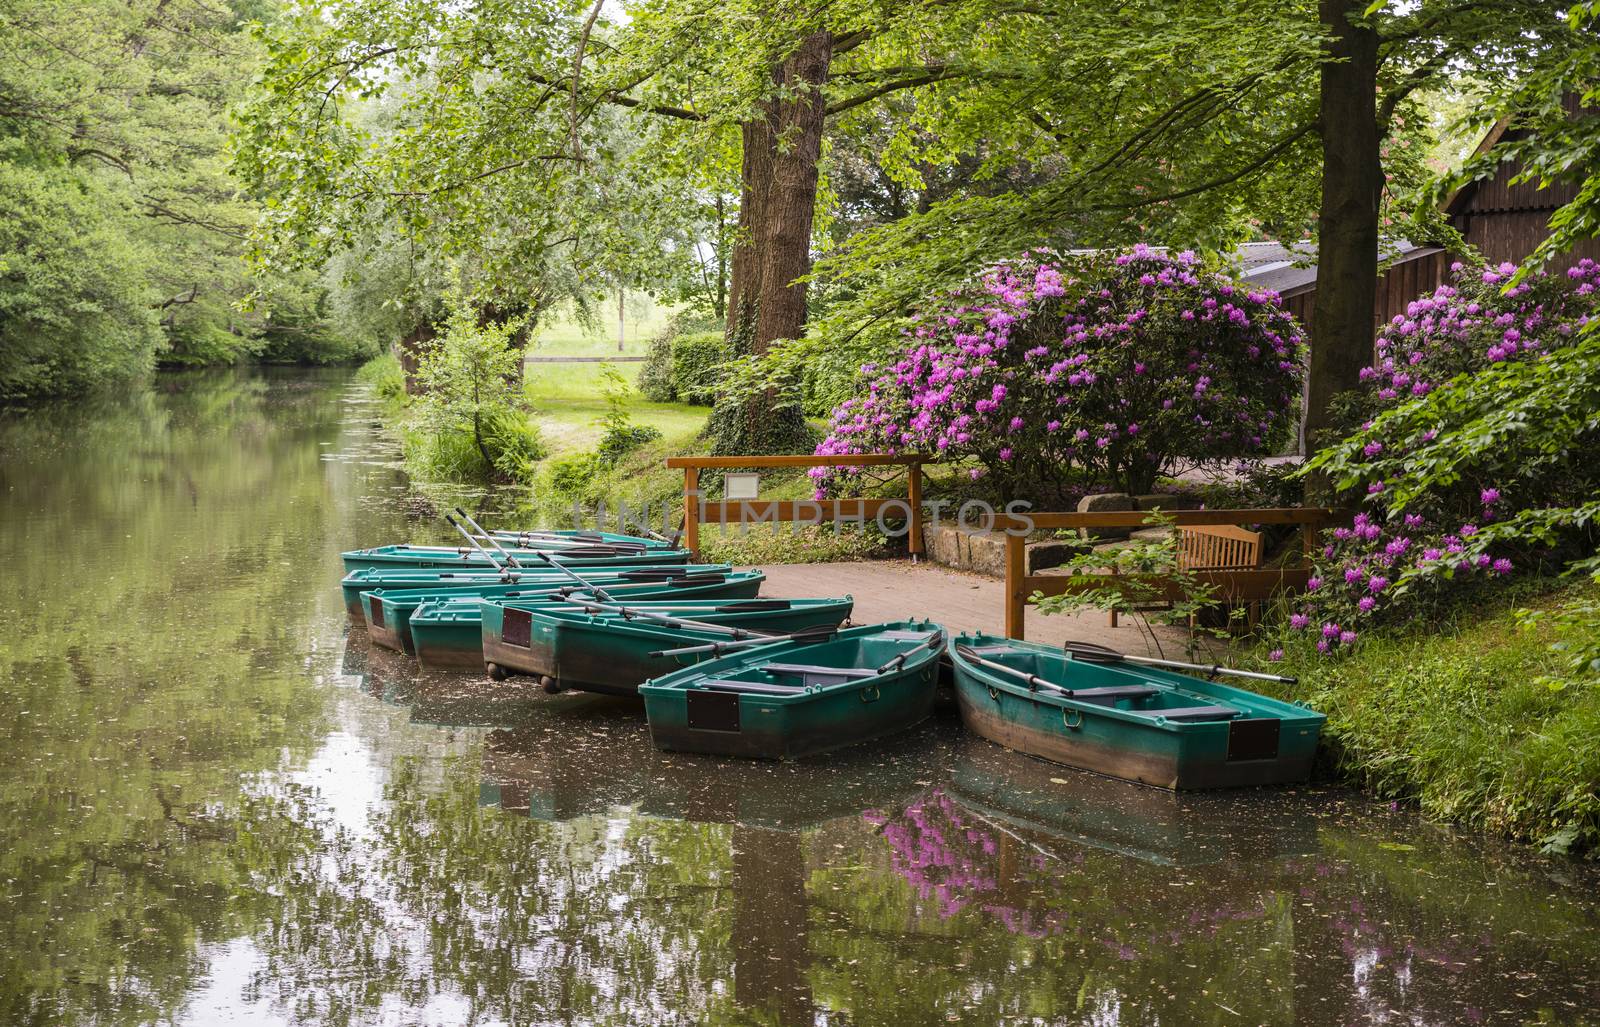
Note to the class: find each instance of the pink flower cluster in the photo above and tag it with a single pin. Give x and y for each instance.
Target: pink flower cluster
(1377, 567)
(1476, 320)
(1121, 366)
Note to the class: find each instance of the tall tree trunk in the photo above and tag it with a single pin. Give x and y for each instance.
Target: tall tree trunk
(777, 200)
(758, 137)
(1342, 326)
(408, 349)
(792, 196)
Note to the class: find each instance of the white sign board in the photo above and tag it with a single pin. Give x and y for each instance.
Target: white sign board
(740, 486)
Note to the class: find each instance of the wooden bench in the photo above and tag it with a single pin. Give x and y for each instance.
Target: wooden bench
(1218, 547)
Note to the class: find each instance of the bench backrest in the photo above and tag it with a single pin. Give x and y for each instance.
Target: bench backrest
(1211, 547)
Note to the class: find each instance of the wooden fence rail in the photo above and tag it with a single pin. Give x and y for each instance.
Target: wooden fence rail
(812, 511)
(1233, 585)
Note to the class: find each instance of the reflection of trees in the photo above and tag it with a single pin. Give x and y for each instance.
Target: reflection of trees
(156, 610)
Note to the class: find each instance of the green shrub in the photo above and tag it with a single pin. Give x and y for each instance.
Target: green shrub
(384, 375)
(471, 418)
(784, 543)
(655, 374)
(570, 476)
(656, 377)
(696, 361)
(621, 435)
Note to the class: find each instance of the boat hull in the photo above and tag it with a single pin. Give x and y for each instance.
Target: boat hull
(612, 656)
(1273, 743)
(791, 726)
(450, 634)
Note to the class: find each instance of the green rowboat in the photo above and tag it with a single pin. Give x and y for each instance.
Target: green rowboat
(789, 700)
(1135, 722)
(446, 631)
(597, 649)
(471, 582)
(467, 558)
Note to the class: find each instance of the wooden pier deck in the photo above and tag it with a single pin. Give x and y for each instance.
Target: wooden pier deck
(897, 589)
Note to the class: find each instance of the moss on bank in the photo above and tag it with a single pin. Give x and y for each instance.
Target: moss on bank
(1473, 717)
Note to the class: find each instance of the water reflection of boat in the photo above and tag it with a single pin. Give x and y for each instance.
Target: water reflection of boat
(435, 698)
(1153, 825)
(584, 754)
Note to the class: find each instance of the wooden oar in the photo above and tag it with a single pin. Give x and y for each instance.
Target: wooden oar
(630, 613)
(805, 636)
(1034, 681)
(505, 571)
(1089, 652)
(495, 542)
(547, 558)
(932, 643)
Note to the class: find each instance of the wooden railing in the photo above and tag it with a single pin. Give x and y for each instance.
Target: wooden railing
(811, 511)
(1234, 586)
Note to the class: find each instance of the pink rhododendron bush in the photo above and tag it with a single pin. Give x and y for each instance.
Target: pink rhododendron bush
(1482, 455)
(1115, 368)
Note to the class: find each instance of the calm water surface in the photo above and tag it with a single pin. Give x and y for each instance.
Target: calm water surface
(218, 806)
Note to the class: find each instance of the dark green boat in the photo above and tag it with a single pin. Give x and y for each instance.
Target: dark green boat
(468, 558)
(788, 700)
(470, 582)
(591, 648)
(448, 631)
(1125, 720)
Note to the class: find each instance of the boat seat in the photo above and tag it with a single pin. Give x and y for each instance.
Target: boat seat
(817, 675)
(1192, 713)
(905, 636)
(749, 687)
(1114, 692)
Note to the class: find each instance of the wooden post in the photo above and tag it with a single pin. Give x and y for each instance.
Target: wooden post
(1016, 575)
(691, 511)
(914, 500)
(1308, 532)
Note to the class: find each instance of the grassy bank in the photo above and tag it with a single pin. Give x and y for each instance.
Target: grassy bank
(1474, 718)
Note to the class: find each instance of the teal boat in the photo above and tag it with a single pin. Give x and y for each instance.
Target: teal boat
(590, 648)
(790, 700)
(1092, 710)
(468, 558)
(447, 630)
(393, 608)
(471, 582)
(533, 536)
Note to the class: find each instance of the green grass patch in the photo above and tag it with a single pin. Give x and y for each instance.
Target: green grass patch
(569, 401)
(791, 543)
(1476, 719)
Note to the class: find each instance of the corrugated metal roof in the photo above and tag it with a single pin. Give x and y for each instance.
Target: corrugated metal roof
(1291, 269)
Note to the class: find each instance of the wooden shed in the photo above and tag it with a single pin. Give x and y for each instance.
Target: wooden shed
(1506, 222)
(1410, 270)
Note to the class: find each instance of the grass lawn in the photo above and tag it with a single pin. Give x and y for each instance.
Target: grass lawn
(562, 336)
(568, 404)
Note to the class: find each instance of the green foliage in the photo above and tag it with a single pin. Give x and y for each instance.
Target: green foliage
(1478, 720)
(470, 419)
(76, 306)
(621, 435)
(571, 476)
(791, 543)
(121, 234)
(696, 362)
(658, 377)
(386, 378)
(1142, 579)
(759, 411)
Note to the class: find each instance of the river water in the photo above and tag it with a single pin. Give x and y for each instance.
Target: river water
(218, 806)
